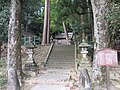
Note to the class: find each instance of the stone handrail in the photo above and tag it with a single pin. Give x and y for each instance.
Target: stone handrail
(75, 56)
(48, 54)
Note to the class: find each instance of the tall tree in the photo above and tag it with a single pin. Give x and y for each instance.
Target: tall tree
(100, 34)
(48, 23)
(13, 44)
(46, 28)
(65, 31)
(0, 48)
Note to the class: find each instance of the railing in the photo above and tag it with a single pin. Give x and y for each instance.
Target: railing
(48, 54)
(75, 56)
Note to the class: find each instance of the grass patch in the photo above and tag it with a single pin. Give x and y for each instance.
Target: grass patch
(3, 79)
(2, 63)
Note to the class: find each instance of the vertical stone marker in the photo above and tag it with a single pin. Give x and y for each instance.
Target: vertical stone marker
(85, 81)
(107, 57)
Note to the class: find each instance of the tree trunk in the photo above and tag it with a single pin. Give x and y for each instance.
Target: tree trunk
(0, 49)
(48, 23)
(65, 31)
(99, 8)
(13, 44)
(20, 71)
(45, 37)
(19, 61)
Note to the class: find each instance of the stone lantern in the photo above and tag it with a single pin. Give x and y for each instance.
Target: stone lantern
(30, 62)
(84, 47)
(84, 62)
(30, 50)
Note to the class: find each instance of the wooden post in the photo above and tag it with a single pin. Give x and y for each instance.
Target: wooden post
(75, 57)
(108, 77)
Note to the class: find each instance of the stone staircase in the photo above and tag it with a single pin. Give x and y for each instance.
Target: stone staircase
(58, 69)
(60, 63)
(115, 77)
(61, 57)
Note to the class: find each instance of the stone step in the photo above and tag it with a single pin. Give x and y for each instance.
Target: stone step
(56, 76)
(60, 62)
(70, 59)
(57, 61)
(62, 53)
(62, 56)
(66, 66)
(60, 65)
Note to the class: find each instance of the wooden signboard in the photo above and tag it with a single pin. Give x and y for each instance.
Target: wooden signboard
(107, 57)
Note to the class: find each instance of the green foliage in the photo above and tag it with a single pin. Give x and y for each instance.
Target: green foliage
(70, 11)
(2, 62)
(2, 80)
(113, 21)
(4, 18)
(53, 17)
(32, 16)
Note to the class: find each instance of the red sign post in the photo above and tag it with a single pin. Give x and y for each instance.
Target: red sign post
(107, 57)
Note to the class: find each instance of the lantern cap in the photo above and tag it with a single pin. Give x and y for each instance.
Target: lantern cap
(30, 45)
(84, 44)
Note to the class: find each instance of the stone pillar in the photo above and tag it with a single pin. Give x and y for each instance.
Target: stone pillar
(84, 80)
(84, 63)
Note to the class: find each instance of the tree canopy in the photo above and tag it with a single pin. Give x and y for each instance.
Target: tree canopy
(76, 13)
